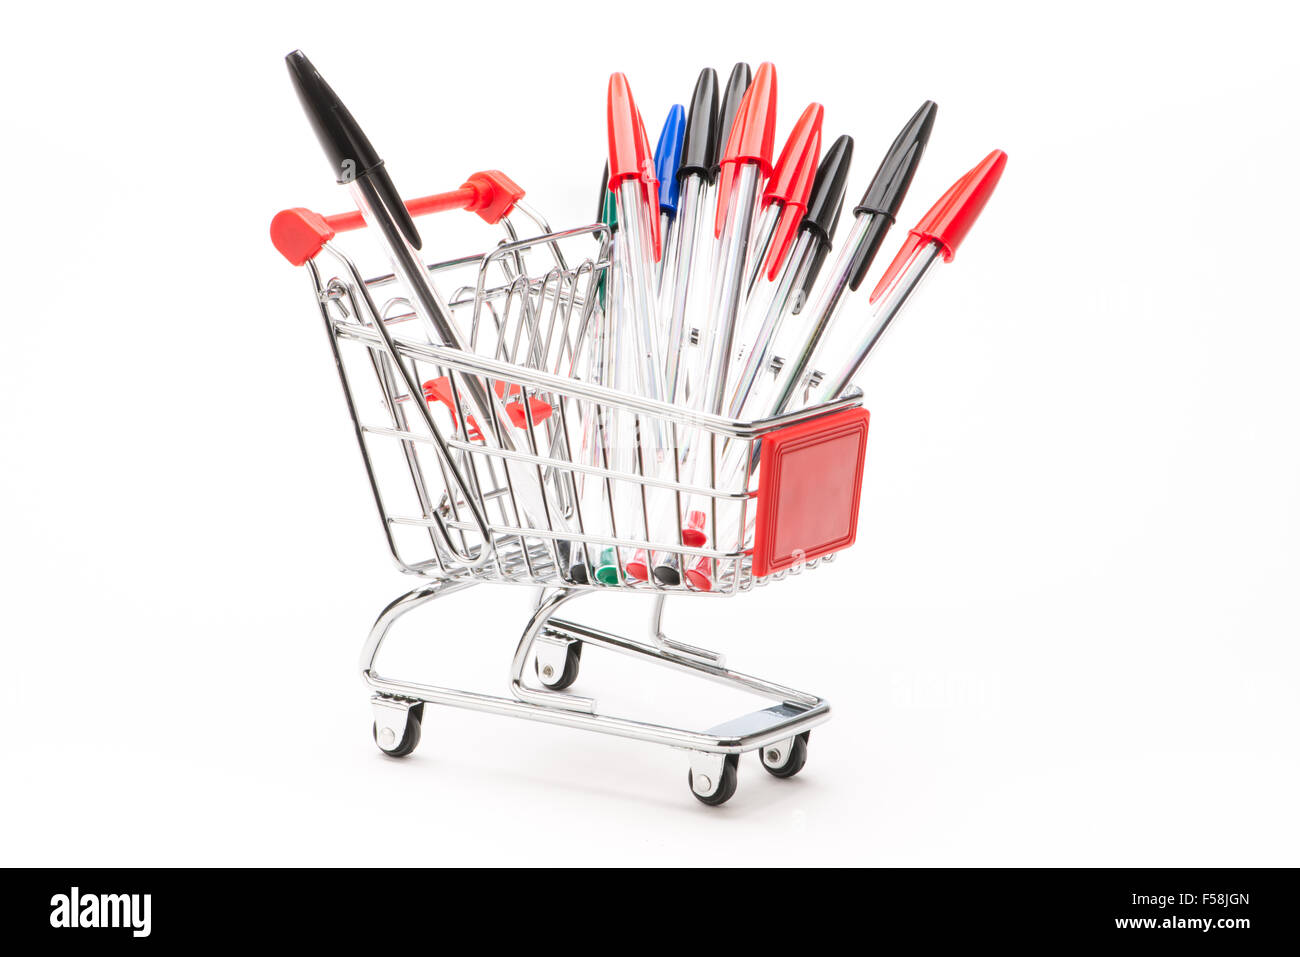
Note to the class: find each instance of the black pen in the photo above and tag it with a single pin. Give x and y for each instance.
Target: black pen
(872, 218)
(694, 174)
(356, 164)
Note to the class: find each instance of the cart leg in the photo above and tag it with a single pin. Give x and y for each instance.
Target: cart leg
(550, 654)
(396, 728)
(412, 600)
(678, 648)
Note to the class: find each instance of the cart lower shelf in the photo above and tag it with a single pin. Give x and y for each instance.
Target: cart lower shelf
(779, 733)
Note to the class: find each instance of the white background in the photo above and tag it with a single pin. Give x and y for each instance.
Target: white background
(1067, 634)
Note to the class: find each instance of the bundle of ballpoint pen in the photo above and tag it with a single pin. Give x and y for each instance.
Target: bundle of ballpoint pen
(712, 303)
(717, 251)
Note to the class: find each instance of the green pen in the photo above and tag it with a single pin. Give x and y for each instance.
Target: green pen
(606, 569)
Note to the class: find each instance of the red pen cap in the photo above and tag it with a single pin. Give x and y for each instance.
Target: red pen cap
(950, 219)
(792, 182)
(630, 156)
(752, 136)
(650, 176)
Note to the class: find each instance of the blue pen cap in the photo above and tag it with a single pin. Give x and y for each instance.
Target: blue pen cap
(668, 156)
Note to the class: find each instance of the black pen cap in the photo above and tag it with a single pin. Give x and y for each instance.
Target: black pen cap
(888, 187)
(825, 204)
(737, 84)
(347, 147)
(827, 196)
(700, 143)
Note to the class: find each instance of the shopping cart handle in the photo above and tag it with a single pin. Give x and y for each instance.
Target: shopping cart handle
(299, 234)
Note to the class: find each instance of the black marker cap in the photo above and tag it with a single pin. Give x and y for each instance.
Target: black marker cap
(700, 145)
(737, 84)
(888, 187)
(347, 147)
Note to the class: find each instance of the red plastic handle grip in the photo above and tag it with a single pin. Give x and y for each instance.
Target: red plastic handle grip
(299, 234)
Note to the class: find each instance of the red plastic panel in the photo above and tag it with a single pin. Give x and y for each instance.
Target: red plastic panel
(809, 488)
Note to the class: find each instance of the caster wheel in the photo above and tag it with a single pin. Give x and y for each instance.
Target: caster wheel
(793, 762)
(726, 787)
(572, 659)
(410, 737)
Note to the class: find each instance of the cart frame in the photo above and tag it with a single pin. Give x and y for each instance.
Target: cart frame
(483, 525)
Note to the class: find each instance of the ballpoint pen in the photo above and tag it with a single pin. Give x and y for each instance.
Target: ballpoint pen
(733, 94)
(612, 449)
(936, 236)
(745, 161)
(694, 173)
(356, 163)
(668, 156)
(597, 430)
(785, 200)
(636, 192)
(754, 385)
(786, 195)
(823, 217)
(873, 216)
(747, 158)
(816, 229)
(681, 298)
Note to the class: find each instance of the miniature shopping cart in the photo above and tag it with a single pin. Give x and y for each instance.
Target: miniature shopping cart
(567, 489)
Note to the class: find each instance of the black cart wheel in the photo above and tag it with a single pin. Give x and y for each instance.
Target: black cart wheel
(726, 787)
(572, 660)
(794, 761)
(410, 736)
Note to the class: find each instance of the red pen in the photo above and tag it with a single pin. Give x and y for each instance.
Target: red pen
(747, 158)
(785, 200)
(633, 183)
(937, 236)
